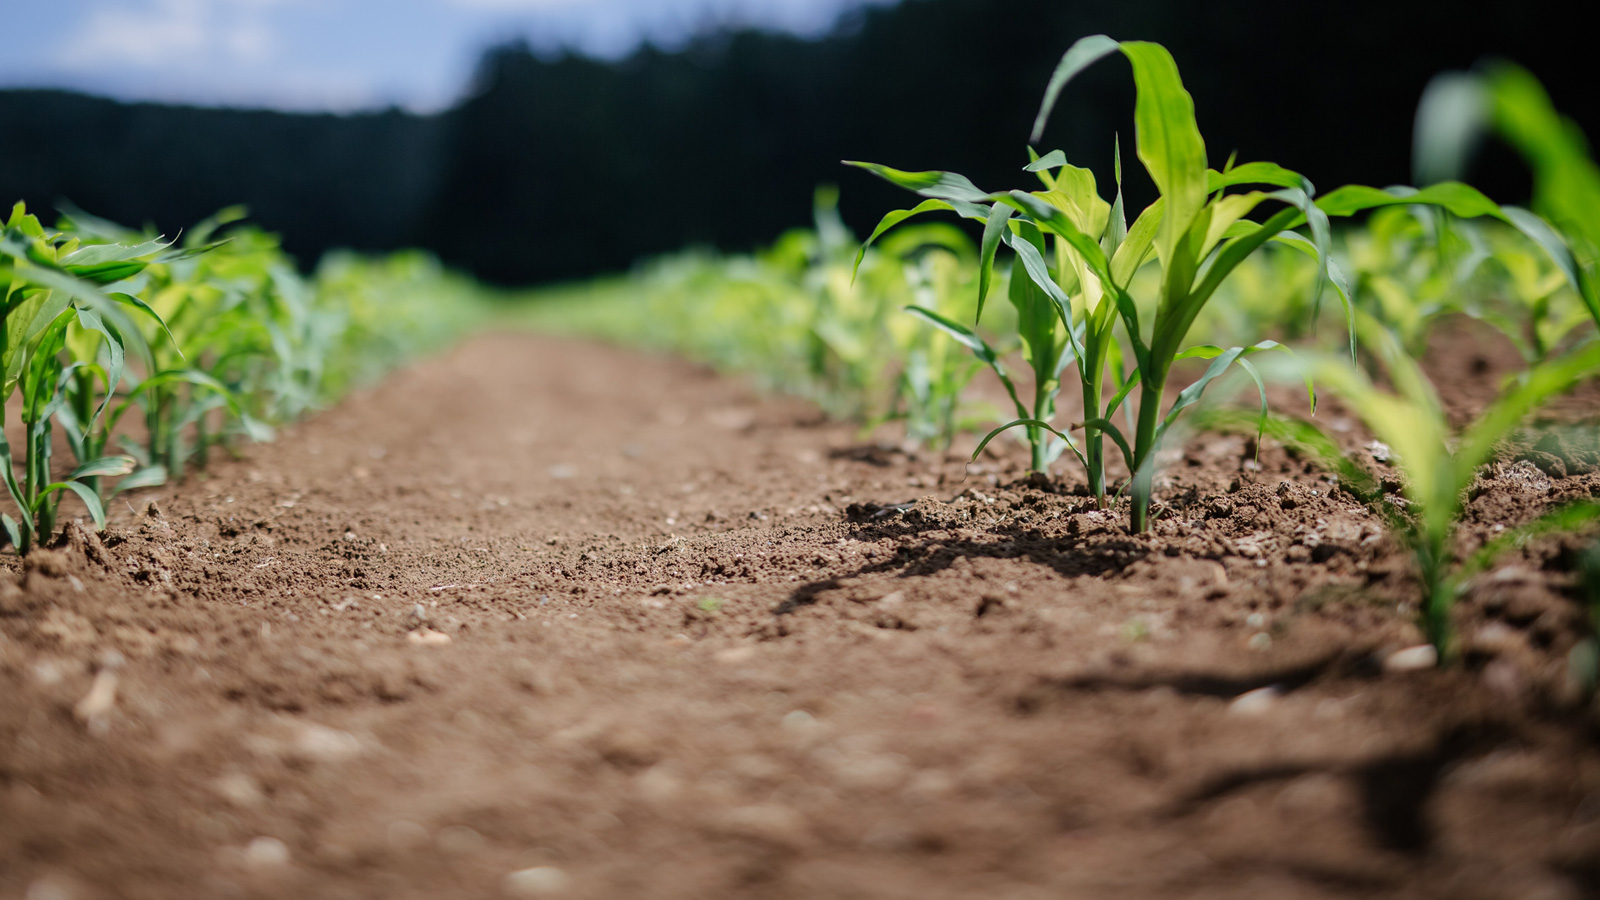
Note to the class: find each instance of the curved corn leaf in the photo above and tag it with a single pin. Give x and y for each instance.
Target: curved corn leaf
(90, 500)
(891, 220)
(939, 185)
(1085, 52)
(105, 465)
(1055, 159)
(993, 230)
(147, 476)
(1025, 422)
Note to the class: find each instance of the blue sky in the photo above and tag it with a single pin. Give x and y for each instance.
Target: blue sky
(338, 54)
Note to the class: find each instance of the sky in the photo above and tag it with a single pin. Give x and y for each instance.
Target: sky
(339, 55)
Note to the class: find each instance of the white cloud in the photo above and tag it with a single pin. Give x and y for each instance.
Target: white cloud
(171, 34)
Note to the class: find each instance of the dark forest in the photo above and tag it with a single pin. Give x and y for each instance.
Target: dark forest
(560, 166)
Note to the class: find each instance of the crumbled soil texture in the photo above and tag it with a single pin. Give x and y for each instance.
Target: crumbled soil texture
(552, 619)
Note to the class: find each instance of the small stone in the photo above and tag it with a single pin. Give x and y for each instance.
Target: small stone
(800, 722)
(428, 637)
(892, 599)
(321, 744)
(1503, 679)
(1259, 641)
(1256, 702)
(239, 789)
(97, 704)
(459, 840)
(1411, 659)
(736, 655)
(1495, 639)
(51, 887)
(265, 853)
(539, 881)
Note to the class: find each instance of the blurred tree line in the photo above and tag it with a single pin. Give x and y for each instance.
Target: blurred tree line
(559, 166)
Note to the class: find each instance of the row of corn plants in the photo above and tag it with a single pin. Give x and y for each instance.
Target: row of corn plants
(204, 340)
(1226, 264)
(813, 315)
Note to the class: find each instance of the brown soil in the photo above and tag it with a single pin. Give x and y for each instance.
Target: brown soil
(608, 617)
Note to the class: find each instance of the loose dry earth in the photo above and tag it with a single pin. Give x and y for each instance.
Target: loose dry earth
(624, 629)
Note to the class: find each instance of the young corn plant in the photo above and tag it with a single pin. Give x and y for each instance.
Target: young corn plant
(53, 302)
(1454, 112)
(1076, 257)
(1438, 464)
(1196, 231)
(935, 372)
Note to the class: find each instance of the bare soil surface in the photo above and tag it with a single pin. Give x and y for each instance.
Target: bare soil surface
(551, 619)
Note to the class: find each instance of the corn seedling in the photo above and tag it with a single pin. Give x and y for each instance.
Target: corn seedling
(1076, 257)
(54, 301)
(1438, 464)
(1196, 231)
(1457, 108)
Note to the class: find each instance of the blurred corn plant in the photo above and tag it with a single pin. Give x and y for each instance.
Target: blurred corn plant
(809, 316)
(1438, 464)
(213, 338)
(53, 301)
(1456, 110)
(1412, 266)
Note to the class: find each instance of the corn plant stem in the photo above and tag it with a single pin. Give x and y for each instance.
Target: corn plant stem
(1150, 393)
(1042, 411)
(1432, 565)
(92, 443)
(1093, 439)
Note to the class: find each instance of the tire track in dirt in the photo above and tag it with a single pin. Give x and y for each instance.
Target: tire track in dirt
(552, 606)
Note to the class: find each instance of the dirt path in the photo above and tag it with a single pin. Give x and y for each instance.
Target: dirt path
(618, 626)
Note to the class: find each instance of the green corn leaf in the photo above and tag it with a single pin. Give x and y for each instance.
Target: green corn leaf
(1084, 53)
(993, 230)
(1169, 140)
(1456, 198)
(1541, 233)
(1570, 517)
(1257, 173)
(12, 532)
(1566, 177)
(1298, 434)
(1537, 385)
(1055, 159)
(96, 511)
(147, 476)
(105, 465)
(93, 255)
(1117, 221)
(1122, 393)
(1052, 219)
(91, 321)
(1135, 248)
(1025, 422)
(1039, 273)
(891, 220)
(938, 185)
(1110, 429)
(961, 333)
